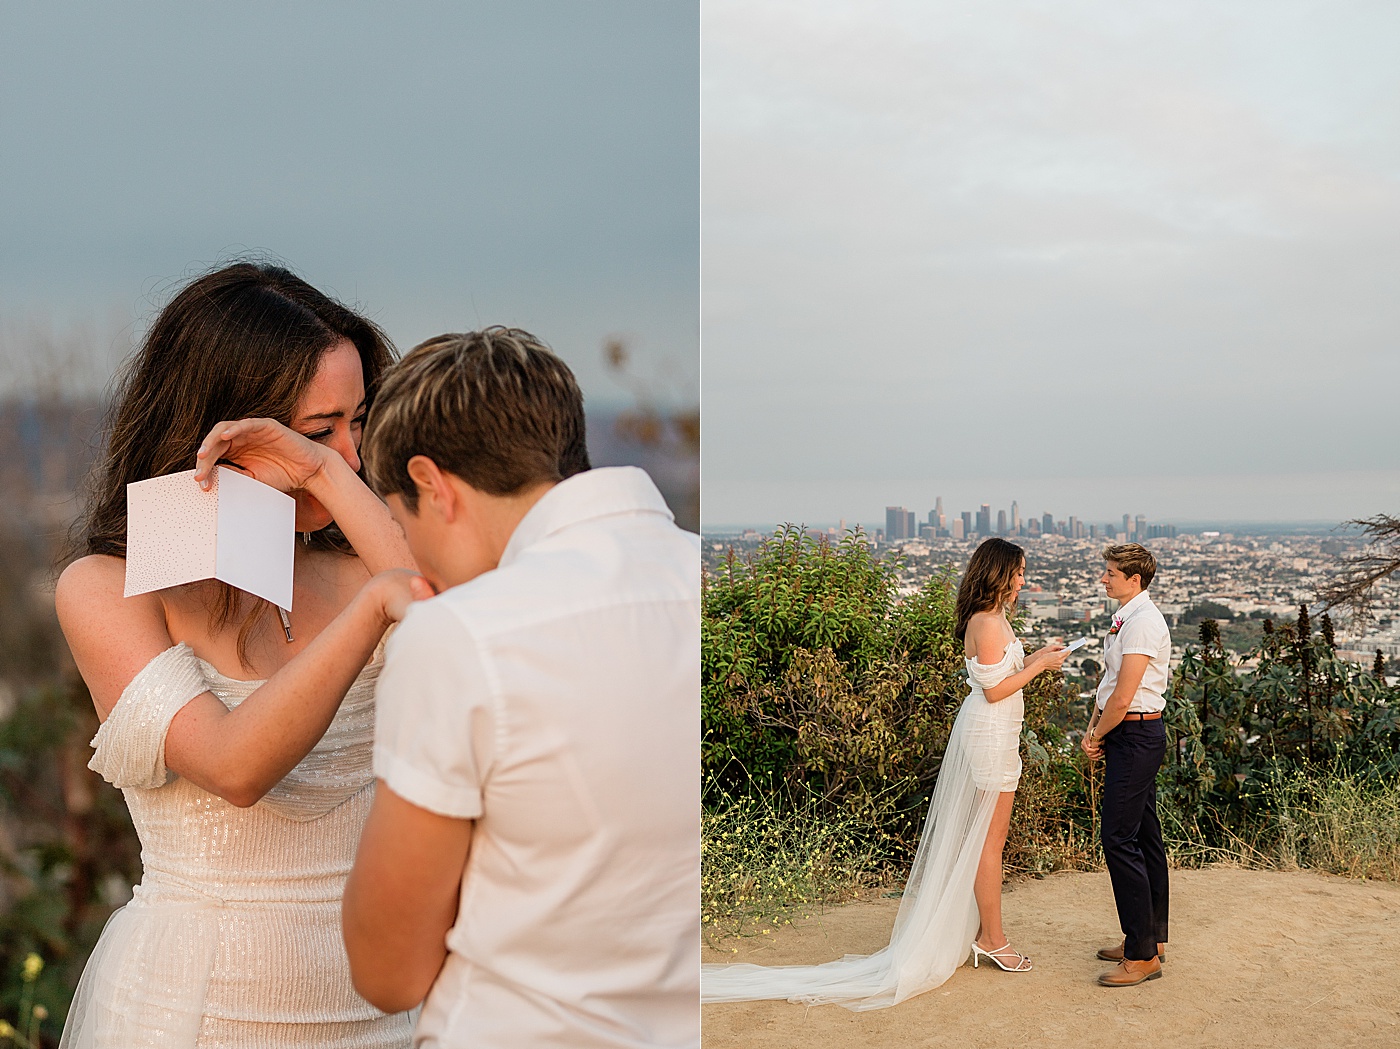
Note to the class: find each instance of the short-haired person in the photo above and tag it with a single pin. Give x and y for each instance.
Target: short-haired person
(531, 862)
(1128, 732)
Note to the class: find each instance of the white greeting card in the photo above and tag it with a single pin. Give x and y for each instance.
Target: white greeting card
(241, 532)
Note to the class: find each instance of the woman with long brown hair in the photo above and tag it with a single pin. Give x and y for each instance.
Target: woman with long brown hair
(952, 899)
(240, 742)
(997, 670)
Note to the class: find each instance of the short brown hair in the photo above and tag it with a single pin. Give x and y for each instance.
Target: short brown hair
(1133, 559)
(496, 408)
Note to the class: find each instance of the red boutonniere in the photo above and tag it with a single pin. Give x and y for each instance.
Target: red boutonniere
(1117, 626)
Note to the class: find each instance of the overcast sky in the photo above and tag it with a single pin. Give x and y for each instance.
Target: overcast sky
(443, 165)
(1096, 257)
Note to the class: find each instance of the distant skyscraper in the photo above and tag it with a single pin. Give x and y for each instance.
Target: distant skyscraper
(1073, 527)
(1047, 524)
(1033, 528)
(984, 520)
(1001, 522)
(966, 525)
(942, 521)
(1015, 518)
(911, 525)
(1127, 528)
(959, 526)
(1140, 528)
(894, 523)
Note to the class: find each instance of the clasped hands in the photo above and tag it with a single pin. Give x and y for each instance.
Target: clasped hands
(1091, 744)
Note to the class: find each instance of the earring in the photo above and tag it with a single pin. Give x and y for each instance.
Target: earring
(305, 538)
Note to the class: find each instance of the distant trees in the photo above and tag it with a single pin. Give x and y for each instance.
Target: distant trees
(664, 422)
(1204, 610)
(68, 853)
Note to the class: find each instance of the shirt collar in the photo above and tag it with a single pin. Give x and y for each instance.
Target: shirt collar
(600, 492)
(1134, 606)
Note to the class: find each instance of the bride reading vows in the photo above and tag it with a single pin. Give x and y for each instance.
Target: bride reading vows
(952, 899)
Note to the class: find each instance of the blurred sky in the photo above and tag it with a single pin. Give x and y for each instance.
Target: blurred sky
(442, 165)
(1097, 257)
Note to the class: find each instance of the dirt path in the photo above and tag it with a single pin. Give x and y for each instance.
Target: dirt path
(1257, 958)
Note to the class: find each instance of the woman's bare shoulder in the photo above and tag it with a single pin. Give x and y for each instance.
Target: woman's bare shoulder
(93, 577)
(110, 635)
(986, 637)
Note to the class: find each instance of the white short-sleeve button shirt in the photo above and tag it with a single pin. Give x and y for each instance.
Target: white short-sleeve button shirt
(555, 701)
(1142, 630)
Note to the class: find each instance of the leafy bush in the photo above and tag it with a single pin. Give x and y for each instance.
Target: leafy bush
(71, 856)
(1289, 708)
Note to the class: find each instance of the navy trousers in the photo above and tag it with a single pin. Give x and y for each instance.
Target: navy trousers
(1132, 837)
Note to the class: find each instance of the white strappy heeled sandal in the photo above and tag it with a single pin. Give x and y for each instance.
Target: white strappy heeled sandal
(1023, 964)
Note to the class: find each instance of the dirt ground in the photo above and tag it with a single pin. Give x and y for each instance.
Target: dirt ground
(1257, 958)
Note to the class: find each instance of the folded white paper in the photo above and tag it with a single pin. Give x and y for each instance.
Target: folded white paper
(241, 531)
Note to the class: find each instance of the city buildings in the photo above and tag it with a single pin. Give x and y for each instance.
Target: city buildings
(901, 525)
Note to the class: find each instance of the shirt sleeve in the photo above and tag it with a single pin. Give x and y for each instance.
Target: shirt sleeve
(435, 721)
(1141, 636)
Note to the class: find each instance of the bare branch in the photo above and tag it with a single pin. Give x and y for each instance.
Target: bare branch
(1379, 560)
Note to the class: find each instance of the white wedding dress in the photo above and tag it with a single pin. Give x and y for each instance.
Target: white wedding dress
(232, 939)
(937, 917)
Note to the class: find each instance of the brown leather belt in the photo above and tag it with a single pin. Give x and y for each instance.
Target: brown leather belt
(1137, 715)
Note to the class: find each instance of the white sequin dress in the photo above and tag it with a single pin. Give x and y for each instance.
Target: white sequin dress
(232, 938)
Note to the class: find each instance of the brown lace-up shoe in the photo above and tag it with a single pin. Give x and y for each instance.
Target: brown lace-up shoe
(1129, 973)
(1115, 954)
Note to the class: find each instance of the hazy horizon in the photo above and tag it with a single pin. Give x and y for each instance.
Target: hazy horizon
(1162, 500)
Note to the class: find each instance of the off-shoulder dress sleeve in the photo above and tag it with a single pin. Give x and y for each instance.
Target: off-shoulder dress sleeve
(985, 675)
(130, 744)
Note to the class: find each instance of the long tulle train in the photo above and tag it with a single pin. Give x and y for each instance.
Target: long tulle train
(937, 917)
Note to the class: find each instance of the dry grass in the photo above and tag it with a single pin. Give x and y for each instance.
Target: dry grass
(1345, 825)
(764, 863)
